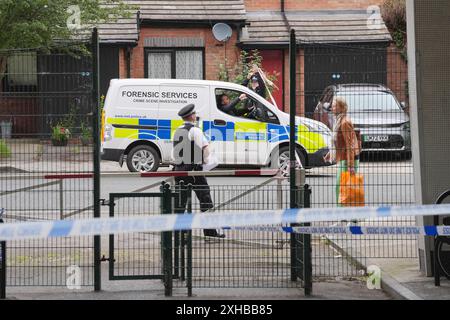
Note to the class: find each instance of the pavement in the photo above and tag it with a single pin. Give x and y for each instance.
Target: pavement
(323, 289)
(153, 290)
(401, 278)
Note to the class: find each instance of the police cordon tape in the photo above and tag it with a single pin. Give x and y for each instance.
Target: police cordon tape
(356, 230)
(177, 222)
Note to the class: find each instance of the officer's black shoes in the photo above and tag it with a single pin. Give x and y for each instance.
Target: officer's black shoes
(212, 233)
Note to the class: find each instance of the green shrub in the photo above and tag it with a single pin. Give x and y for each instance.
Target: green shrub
(60, 133)
(238, 72)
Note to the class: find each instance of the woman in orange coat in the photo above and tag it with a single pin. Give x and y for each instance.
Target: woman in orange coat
(346, 148)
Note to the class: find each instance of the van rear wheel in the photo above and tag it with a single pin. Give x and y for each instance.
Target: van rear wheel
(143, 158)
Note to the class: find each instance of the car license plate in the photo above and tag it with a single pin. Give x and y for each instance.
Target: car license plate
(376, 138)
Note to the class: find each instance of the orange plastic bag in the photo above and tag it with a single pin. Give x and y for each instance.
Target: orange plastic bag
(351, 192)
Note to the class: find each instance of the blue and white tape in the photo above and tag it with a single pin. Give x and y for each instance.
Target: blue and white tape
(356, 230)
(172, 222)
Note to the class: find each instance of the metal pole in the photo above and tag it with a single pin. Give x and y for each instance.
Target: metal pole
(307, 250)
(2, 265)
(296, 239)
(189, 245)
(279, 194)
(292, 112)
(111, 237)
(61, 200)
(167, 243)
(96, 160)
(3, 270)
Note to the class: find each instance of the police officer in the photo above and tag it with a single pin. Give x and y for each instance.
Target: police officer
(190, 150)
(256, 83)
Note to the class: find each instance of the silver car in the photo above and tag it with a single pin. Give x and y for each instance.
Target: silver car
(375, 112)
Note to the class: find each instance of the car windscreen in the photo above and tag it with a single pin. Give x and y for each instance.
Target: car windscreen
(370, 101)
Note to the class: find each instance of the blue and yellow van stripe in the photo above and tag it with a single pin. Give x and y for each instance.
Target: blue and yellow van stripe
(164, 129)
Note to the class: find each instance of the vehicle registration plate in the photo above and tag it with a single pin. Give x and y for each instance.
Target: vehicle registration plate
(376, 138)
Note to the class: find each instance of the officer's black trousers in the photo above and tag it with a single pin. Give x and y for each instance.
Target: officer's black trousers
(201, 189)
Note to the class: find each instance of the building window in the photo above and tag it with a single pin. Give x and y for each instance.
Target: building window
(175, 64)
(21, 73)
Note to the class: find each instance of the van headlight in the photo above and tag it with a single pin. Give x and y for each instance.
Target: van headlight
(108, 132)
(321, 129)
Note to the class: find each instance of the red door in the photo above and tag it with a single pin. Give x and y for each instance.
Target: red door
(273, 62)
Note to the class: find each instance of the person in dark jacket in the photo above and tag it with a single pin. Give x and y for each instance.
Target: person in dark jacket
(190, 151)
(256, 83)
(229, 106)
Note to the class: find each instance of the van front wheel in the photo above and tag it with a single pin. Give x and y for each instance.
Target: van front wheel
(283, 160)
(143, 159)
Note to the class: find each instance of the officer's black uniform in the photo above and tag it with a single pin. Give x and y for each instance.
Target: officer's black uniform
(261, 89)
(191, 162)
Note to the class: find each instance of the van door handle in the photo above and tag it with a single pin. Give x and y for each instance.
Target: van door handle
(218, 122)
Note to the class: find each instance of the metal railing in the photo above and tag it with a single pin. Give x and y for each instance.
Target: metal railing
(50, 115)
(189, 259)
(247, 258)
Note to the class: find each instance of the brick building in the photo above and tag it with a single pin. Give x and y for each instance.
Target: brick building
(173, 39)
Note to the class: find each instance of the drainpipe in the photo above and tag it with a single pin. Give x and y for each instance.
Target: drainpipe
(288, 28)
(283, 13)
(128, 57)
(129, 48)
(138, 23)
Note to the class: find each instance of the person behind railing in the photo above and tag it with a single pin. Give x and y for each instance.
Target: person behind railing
(346, 146)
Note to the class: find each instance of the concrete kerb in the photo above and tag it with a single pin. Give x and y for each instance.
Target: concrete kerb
(391, 286)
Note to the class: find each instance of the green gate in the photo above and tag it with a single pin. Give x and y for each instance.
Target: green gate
(147, 255)
(187, 259)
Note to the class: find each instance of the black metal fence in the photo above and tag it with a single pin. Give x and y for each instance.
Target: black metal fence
(48, 144)
(373, 82)
(49, 170)
(189, 259)
(246, 258)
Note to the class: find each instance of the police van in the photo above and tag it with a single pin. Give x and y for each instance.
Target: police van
(139, 119)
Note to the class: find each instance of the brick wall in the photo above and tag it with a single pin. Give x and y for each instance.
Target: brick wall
(122, 63)
(287, 87)
(214, 50)
(300, 82)
(397, 73)
(256, 5)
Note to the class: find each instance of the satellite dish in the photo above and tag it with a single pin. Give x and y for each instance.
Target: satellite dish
(222, 32)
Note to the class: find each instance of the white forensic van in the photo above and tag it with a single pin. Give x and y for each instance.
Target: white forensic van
(140, 117)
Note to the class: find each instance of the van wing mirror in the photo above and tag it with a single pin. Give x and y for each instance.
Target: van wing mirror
(403, 104)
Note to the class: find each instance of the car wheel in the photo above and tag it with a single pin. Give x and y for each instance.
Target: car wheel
(283, 160)
(143, 158)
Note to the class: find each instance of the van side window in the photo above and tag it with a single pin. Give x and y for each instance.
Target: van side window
(238, 104)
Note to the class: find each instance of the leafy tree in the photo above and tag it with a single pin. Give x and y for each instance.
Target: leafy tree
(238, 72)
(394, 15)
(49, 24)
